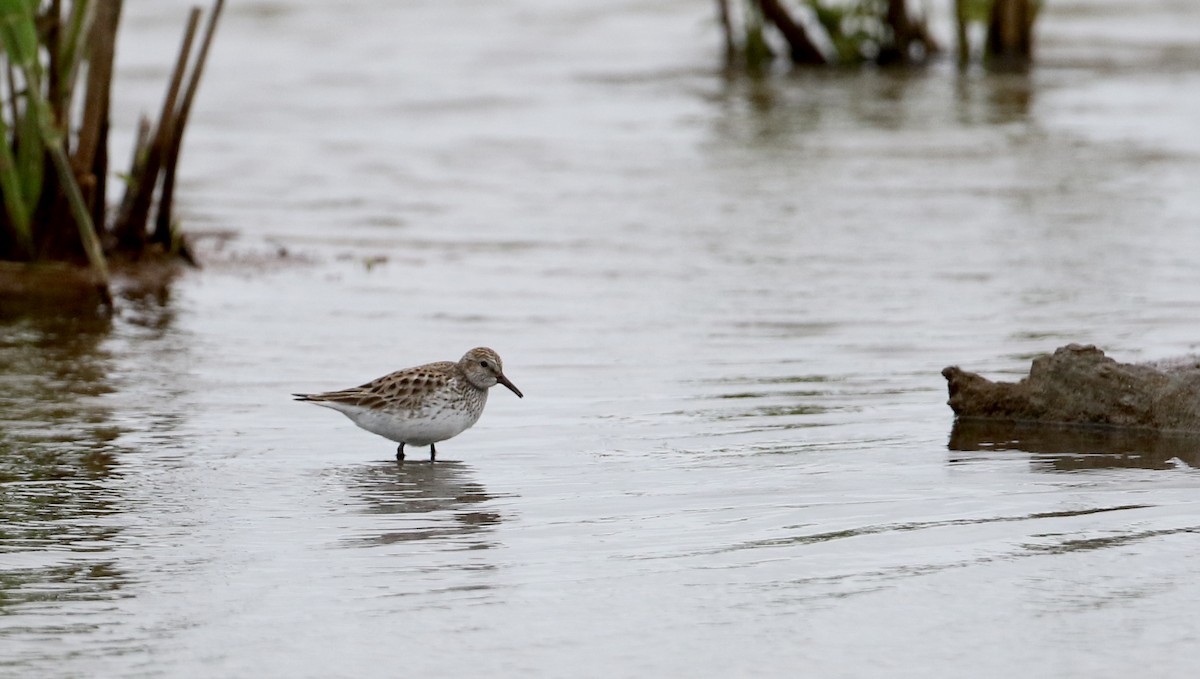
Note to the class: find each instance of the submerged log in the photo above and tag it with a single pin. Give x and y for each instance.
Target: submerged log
(1080, 385)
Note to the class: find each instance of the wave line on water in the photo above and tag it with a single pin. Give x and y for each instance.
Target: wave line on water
(816, 538)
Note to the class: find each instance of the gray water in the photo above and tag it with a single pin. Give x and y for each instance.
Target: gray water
(727, 301)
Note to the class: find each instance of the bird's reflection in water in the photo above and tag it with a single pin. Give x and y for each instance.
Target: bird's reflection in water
(420, 501)
(1074, 448)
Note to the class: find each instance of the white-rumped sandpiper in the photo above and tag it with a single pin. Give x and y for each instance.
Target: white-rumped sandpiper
(423, 405)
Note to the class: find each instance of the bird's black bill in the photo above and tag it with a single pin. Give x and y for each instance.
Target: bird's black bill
(504, 380)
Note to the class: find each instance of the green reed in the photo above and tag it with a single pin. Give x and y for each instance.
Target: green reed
(54, 161)
(853, 32)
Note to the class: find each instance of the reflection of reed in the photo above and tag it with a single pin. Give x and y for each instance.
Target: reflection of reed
(56, 443)
(432, 501)
(1068, 448)
(50, 363)
(53, 450)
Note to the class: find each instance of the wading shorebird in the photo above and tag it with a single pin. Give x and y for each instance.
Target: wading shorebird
(423, 405)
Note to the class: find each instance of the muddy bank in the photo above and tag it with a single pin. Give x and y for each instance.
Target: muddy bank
(1078, 384)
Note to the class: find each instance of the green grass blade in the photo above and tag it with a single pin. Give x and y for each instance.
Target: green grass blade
(18, 38)
(72, 50)
(20, 41)
(31, 157)
(19, 32)
(11, 188)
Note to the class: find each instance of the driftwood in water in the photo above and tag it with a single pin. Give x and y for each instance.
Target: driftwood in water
(1080, 385)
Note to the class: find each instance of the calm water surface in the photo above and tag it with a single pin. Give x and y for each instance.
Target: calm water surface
(727, 302)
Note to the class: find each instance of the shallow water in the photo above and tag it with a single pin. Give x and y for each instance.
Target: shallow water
(727, 302)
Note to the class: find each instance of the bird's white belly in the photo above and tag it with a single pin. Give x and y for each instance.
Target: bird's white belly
(429, 426)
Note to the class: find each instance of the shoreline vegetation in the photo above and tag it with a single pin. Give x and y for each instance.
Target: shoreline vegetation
(58, 228)
(995, 33)
(55, 85)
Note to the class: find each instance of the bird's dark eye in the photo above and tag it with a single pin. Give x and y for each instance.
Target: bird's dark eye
(483, 364)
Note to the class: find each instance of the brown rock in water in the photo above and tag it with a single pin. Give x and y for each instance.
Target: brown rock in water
(1080, 385)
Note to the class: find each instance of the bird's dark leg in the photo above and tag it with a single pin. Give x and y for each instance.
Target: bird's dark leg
(433, 452)
(400, 453)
